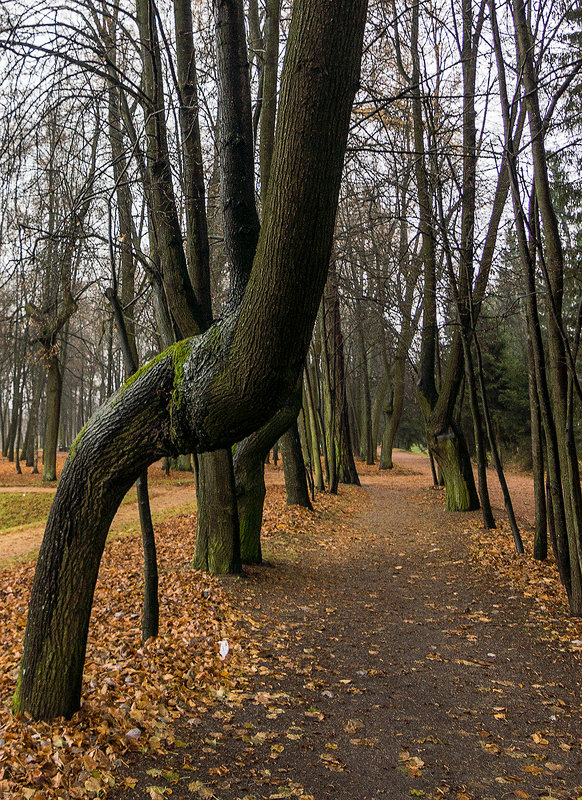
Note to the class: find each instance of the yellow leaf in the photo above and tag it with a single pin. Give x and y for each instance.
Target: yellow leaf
(533, 770)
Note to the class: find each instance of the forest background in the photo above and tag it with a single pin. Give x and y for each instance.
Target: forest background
(136, 158)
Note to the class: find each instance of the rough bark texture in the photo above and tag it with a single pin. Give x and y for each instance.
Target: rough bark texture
(296, 489)
(239, 211)
(249, 473)
(208, 392)
(54, 391)
(217, 531)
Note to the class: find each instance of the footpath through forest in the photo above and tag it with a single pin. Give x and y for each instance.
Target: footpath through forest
(389, 666)
(388, 649)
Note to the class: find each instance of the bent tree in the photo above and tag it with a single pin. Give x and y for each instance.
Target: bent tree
(209, 391)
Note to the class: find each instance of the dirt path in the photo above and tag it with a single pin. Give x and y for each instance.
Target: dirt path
(388, 667)
(26, 540)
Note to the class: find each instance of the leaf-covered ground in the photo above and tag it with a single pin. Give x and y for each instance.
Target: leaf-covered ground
(390, 649)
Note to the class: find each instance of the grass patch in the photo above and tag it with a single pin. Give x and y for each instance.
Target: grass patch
(23, 508)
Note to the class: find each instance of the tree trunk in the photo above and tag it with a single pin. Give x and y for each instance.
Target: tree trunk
(150, 617)
(54, 390)
(563, 496)
(295, 481)
(480, 447)
(31, 435)
(314, 431)
(210, 391)
(554, 265)
(366, 405)
(540, 548)
(250, 491)
(249, 472)
(269, 91)
(393, 409)
(217, 549)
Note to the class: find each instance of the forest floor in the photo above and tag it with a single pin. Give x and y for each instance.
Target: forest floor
(389, 649)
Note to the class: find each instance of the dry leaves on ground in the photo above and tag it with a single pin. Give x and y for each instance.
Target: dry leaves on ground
(132, 692)
(493, 551)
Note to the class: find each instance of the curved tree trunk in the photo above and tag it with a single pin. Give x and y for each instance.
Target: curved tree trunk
(210, 391)
(450, 450)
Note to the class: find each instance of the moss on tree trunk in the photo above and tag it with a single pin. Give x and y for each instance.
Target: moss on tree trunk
(450, 451)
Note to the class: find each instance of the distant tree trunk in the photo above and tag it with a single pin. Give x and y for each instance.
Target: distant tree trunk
(329, 404)
(314, 431)
(31, 435)
(393, 406)
(540, 548)
(366, 404)
(2, 426)
(554, 265)
(339, 442)
(17, 387)
(17, 449)
(444, 436)
(54, 390)
(563, 497)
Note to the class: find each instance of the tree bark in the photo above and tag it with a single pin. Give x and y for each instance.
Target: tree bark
(294, 466)
(54, 390)
(249, 472)
(236, 146)
(217, 531)
(269, 91)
